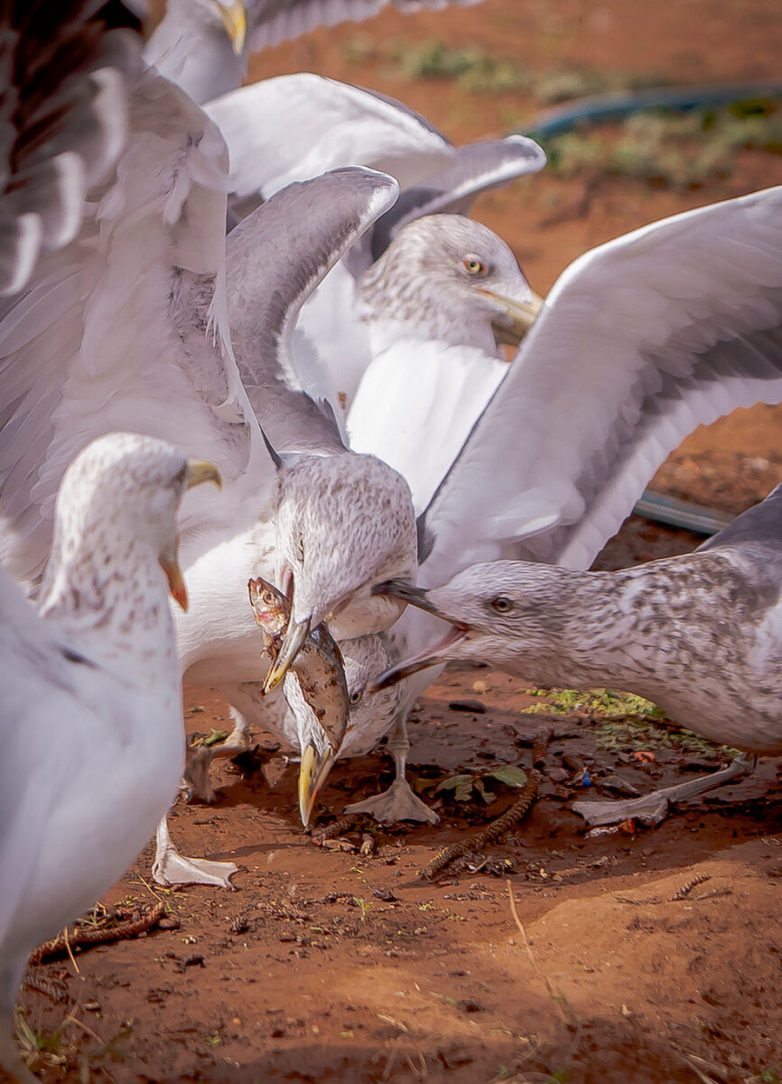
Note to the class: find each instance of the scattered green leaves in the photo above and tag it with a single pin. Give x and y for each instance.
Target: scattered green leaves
(467, 786)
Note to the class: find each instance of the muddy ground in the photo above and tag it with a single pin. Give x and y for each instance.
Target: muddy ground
(333, 965)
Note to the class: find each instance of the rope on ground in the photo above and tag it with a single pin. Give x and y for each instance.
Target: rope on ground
(85, 936)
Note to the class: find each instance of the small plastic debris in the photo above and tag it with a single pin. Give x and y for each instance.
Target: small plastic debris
(607, 830)
(645, 756)
(586, 778)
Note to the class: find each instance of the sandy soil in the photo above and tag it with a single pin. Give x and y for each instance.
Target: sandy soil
(330, 965)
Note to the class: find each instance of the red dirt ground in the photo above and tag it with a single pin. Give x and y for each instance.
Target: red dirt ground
(328, 965)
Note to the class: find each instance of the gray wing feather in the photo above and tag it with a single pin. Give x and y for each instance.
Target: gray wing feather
(478, 167)
(63, 122)
(275, 259)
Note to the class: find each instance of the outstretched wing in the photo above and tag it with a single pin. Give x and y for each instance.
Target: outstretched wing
(63, 122)
(640, 341)
(275, 259)
(295, 127)
(112, 332)
(478, 167)
(274, 21)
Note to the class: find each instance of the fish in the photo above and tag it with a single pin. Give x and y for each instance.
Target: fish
(318, 683)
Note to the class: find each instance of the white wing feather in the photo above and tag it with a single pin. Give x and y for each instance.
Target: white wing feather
(640, 341)
(112, 334)
(298, 126)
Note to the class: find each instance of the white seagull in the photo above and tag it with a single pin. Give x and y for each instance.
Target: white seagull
(700, 635)
(640, 341)
(434, 306)
(91, 720)
(129, 328)
(294, 127)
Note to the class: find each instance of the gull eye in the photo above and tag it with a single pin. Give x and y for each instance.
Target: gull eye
(355, 698)
(474, 266)
(502, 604)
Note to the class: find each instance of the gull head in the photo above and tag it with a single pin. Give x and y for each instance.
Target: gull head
(117, 504)
(343, 522)
(508, 613)
(371, 713)
(450, 278)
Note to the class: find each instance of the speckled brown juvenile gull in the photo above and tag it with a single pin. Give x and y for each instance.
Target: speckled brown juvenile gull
(700, 635)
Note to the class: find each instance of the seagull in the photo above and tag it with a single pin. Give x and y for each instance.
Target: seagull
(700, 635)
(641, 340)
(92, 704)
(134, 319)
(293, 721)
(294, 127)
(52, 156)
(204, 45)
(434, 305)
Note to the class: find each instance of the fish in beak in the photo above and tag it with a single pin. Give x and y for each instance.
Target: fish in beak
(292, 642)
(436, 653)
(234, 18)
(312, 774)
(198, 471)
(319, 670)
(515, 317)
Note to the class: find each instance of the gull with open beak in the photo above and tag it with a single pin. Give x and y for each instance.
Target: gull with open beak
(658, 630)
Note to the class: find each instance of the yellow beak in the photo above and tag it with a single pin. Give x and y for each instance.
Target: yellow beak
(198, 472)
(234, 17)
(312, 774)
(513, 323)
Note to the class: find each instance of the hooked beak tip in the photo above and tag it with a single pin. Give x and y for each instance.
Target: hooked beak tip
(176, 581)
(312, 774)
(200, 471)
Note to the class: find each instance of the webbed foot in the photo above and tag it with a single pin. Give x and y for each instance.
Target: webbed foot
(398, 803)
(172, 868)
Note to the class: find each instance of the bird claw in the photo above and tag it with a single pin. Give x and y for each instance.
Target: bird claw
(398, 803)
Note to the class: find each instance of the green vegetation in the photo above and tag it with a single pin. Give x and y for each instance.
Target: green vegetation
(670, 148)
(592, 702)
(467, 787)
(475, 69)
(629, 722)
